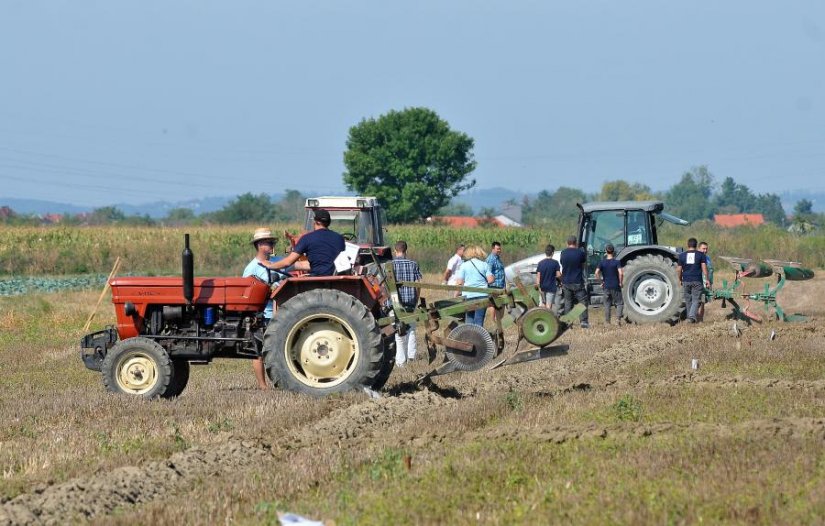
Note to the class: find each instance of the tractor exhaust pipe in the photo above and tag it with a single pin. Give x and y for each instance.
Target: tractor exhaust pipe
(188, 264)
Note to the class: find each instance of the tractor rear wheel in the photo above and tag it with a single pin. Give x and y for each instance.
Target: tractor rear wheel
(651, 290)
(138, 366)
(325, 341)
(180, 378)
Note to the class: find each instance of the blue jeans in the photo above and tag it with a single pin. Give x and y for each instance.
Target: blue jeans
(476, 317)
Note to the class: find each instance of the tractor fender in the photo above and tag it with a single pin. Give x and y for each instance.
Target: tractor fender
(632, 252)
(357, 286)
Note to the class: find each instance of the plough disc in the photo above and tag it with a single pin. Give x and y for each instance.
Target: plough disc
(483, 351)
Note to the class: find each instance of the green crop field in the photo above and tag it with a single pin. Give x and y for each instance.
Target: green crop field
(224, 250)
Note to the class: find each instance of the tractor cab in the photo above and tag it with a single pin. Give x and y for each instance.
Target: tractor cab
(359, 219)
(627, 225)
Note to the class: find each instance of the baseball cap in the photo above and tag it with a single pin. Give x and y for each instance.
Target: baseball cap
(322, 216)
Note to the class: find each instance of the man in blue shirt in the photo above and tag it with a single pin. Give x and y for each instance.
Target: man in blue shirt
(495, 266)
(610, 270)
(548, 273)
(573, 265)
(321, 247)
(691, 268)
(264, 245)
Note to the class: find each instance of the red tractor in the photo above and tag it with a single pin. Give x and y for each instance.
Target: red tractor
(324, 337)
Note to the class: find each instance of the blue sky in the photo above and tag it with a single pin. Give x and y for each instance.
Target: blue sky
(114, 101)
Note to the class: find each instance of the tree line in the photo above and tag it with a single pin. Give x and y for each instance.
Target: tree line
(693, 198)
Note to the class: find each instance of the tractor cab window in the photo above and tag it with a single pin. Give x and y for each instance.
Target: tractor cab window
(356, 226)
(603, 228)
(638, 231)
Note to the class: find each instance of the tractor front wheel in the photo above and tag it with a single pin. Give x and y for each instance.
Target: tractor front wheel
(138, 366)
(324, 341)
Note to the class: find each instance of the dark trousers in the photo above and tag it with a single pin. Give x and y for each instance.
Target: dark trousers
(613, 297)
(578, 292)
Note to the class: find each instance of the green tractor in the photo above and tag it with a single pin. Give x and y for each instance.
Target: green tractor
(651, 287)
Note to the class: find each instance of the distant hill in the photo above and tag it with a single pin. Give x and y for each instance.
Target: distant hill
(36, 206)
(155, 209)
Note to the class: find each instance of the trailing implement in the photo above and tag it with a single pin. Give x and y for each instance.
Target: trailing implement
(472, 347)
(749, 268)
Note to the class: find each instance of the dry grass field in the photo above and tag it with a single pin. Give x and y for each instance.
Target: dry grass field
(618, 430)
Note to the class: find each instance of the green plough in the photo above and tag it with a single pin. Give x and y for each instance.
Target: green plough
(472, 347)
(748, 268)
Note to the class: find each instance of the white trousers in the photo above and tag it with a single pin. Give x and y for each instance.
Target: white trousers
(405, 346)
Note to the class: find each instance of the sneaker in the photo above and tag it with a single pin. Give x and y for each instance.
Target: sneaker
(691, 320)
(585, 325)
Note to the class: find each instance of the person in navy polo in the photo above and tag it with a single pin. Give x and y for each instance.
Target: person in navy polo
(548, 273)
(573, 262)
(321, 247)
(610, 270)
(691, 268)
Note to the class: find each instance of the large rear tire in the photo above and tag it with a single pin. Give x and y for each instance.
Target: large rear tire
(651, 290)
(180, 377)
(138, 367)
(325, 341)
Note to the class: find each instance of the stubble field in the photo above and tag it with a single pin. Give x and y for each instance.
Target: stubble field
(618, 430)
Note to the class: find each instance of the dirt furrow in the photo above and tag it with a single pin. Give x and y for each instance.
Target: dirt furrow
(787, 428)
(96, 495)
(699, 380)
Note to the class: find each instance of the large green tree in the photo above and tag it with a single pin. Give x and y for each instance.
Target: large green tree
(410, 160)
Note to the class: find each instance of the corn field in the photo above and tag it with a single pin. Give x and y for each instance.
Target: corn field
(224, 250)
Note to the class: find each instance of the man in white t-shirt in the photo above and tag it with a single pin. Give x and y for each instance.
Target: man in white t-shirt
(452, 266)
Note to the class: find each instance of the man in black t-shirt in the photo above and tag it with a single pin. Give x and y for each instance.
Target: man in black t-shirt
(321, 247)
(548, 273)
(610, 270)
(573, 268)
(692, 266)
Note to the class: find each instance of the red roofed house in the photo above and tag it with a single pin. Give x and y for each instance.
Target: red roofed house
(734, 220)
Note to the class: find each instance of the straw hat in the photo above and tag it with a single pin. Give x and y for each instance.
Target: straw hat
(262, 234)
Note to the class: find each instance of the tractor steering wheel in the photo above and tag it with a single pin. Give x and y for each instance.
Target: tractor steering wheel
(349, 236)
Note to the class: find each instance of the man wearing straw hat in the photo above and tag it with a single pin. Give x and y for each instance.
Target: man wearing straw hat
(264, 244)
